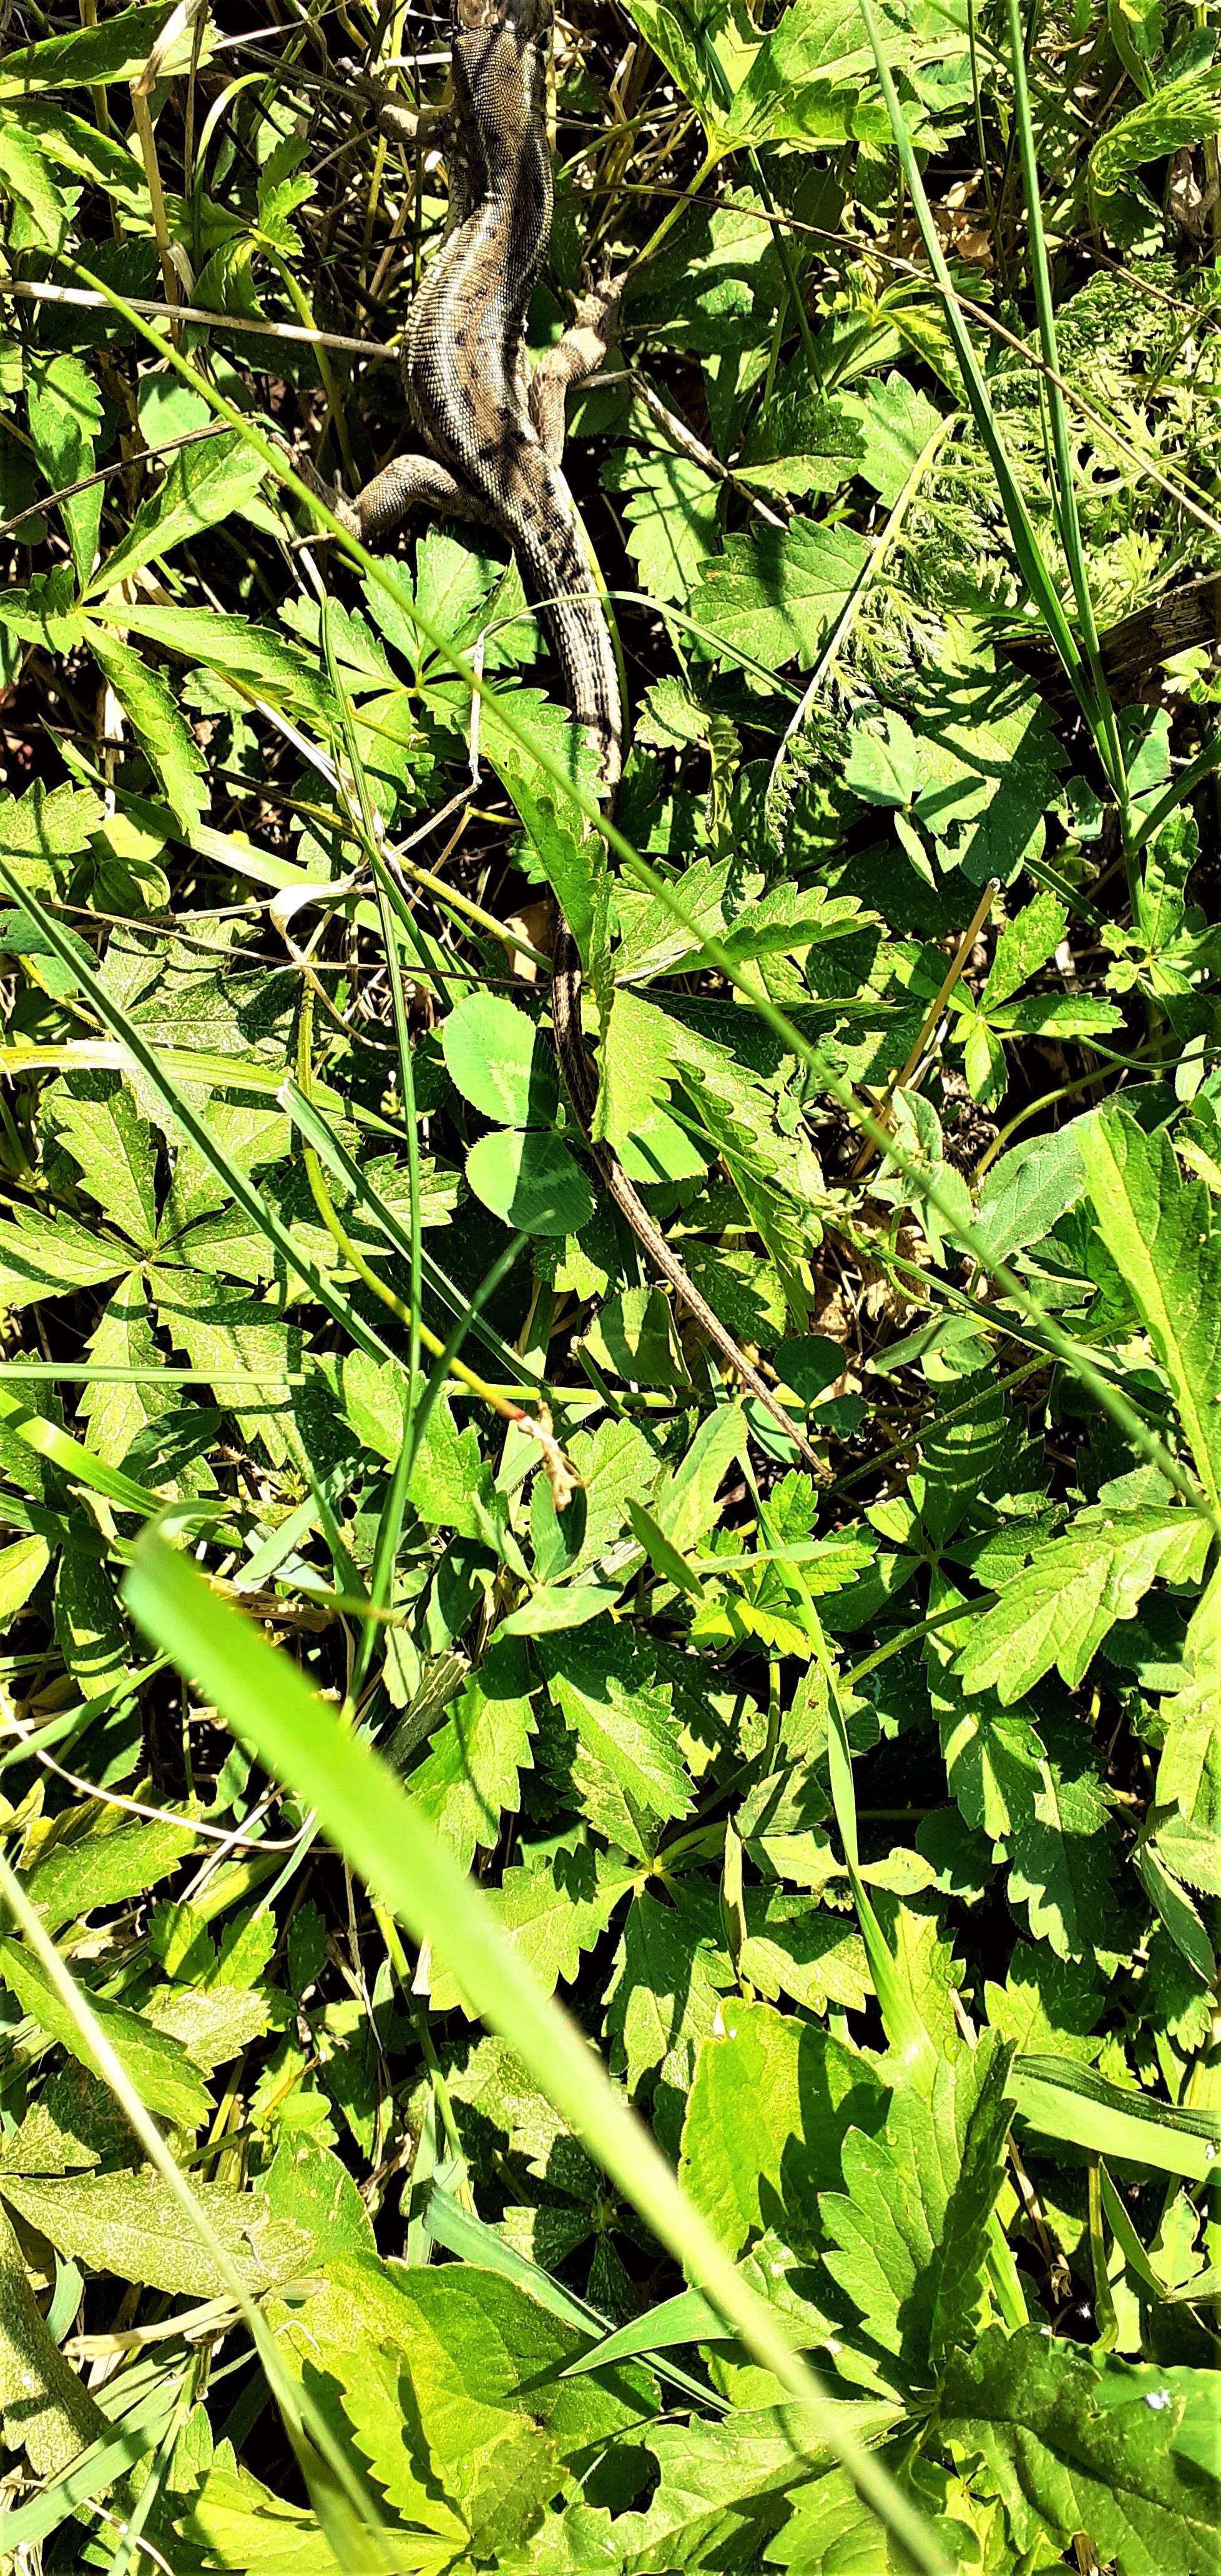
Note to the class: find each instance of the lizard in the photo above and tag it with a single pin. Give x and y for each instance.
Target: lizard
(493, 437)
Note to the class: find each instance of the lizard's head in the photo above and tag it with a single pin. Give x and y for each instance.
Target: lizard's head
(528, 20)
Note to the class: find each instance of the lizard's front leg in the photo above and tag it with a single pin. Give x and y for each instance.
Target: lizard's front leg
(406, 483)
(583, 349)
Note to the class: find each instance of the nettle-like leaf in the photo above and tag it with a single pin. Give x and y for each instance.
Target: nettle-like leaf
(130, 2225)
(672, 507)
(157, 2065)
(552, 1907)
(606, 1686)
(664, 1987)
(1159, 1229)
(775, 594)
(772, 2101)
(1123, 2451)
(1059, 1610)
(1187, 1794)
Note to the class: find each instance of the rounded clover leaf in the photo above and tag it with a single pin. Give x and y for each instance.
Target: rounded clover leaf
(531, 1181)
(499, 1061)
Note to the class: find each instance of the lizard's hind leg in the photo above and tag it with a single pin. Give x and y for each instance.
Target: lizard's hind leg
(583, 349)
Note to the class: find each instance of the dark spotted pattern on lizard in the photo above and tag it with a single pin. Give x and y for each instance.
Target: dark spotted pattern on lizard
(494, 439)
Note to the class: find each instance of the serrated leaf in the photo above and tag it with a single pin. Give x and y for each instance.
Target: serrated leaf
(472, 1772)
(601, 1680)
(22, 1566)
(497, 1059)
(1182, 110)
(1025, 944)
(662, 1990)
(810, 1957)
(157, 718)
(1158, 1227)
(159, 2068)
(898, 423)
(105, 1868)
(116, 1152)
(552, 1907)
(114, 50)
(672, 506)
(240, 2524)
(909, 2232)
(131, 2226)
(46, 2410)
(530, 1180)
(799, 443)
(51, 1256)
(1125, 2451)
(772, 2100)
(776, 594)
(203, 485)
(123, 1339)
(1059, 1610)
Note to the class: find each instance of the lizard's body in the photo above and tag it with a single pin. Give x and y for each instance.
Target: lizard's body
(494, 437)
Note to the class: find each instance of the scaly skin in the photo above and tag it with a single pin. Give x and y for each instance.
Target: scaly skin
(494, 438)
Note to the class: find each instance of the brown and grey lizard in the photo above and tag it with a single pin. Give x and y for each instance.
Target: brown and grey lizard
(493, 443)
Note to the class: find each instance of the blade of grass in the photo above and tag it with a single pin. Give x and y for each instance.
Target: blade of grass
(373, 1823)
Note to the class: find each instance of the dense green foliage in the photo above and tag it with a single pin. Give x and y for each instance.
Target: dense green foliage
(868, 1829)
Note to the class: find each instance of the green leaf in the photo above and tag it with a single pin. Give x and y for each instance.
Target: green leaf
(800, 443)
(167, 738)
(909, 2233)
(45, 2409)
(116, 50)
(159, 2067)
(898, 423)
(130, 2225)
(810, 1957)
(27, 178)
(776, 593)
(772, 2100)
(65, 412)
(1158, 1228)
(21, 1567)
(1029, 1189)
(531, 1181)
(706, 59)
(553, 1906)
(471, 1775)
(1123, 2451)
(602, 1681)
(1184, 110)
(105, 1868)
(1189, 1772)
(202, 486)
(1059, 1610)
(1025, 944)
(806, 83)
(116, 1151)
(51, 1256)
(672, 507)
(662, 1991)
(240, 2524)
(123, 1340)
(499, 1061)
